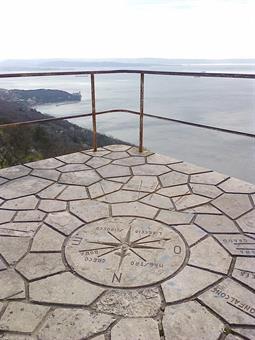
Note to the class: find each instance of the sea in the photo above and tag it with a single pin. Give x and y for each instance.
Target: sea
(220, 102)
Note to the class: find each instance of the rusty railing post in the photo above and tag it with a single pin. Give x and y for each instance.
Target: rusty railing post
(93, 103)
(141, 112)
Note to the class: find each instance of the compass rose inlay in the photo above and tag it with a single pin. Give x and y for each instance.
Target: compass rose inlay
(125, 252)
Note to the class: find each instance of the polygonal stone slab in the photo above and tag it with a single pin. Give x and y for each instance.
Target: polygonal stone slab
(134, 151)
(2, 267)
(244, 270)
(36, 265)
(122, 196)
(99, 153)
(73, 167)
(21, 229)
(233, 205)
(142, 183)
(142, 329)
(190, 232)
(208, 178)
(103, 187)
(22, 317)
(209, 254)
(86, 177)
(237, 244)
(12, 285)
(50, 174)
(89, 210)
(188, 168)
(144, 302)
(47, 239)
(24, 186)
(173, 178)
(190, 321)
(130, 161)
(63, 221)
(173, 217)
(149, 170)
(52, 205)
(216, 223)
(50, 163)
(73, 192)
(14, 172)
(161, 159)
(74, 158)
(204, 209)
(29, 215)
(248, 332)
(10, 336)
(206, 190)
(23, 203)
(111, 170)
(117, 147)
(158, 201)
(64, 288)
(6, 216)
(74, 324)
(247, 222)
(123, 179)
(188, 282)
(117, 155)
(52, 191)
(13, 248)
(133, 209)
(189, 201)
(234, 185)
(175, 191)
(2, 180)
(96, 162)
(231, 301)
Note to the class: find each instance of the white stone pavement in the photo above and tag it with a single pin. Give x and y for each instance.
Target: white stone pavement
(118, 245)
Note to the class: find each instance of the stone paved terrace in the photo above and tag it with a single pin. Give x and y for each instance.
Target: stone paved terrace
(120, 245)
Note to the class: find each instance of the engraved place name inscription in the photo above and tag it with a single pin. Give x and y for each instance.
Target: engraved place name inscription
(237, 244)
(125, 252)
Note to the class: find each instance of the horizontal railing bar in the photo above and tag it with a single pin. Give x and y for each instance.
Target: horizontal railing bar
(47, 120)
(162, 73)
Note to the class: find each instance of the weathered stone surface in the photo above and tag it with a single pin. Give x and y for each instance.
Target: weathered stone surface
(96, 162)
(142, 329)
(130, 161)
(14, 172)
(22, 317)
(206, 190)
(158, 201)
(89, 210)
(149, 170)
(47, 239)
(216, 223)
(21, 229)
(233, 205)
(117, 147)
(73, 192)
(209, 254)
(178, 190)
(142, 183)
(122, 196)
(24, 186)
(188, 168)
(99, 153)
(144, 302)
(11, 285)
(237, 244)
(189, 201)
(73, 167)
(117, 155)
(247, 222)
(161, 159)
(173, 217)
(173, 178)
(234, 185)
(244, 270)
(248, 332)
(52, 191)
(208, 178)
(23, 203)
(74, 158)
(6, 216)
(13, 248)
(103, 187)
(133, 209)
(36, 265)
(64, 288)
(188, 282)
(3, 180)
(52, 205)
(112, 170)
(190, 232)
(134, 151)
(2, 266)
(231, 301)
(204, 209)
(29, 215)
(86, 177)
(190, 321)
(74, 324)
(50, 163)
(63, 221)
(10, 336)
(50, 174)
(123, 179)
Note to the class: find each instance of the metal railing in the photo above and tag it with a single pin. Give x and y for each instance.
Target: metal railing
(141, 113)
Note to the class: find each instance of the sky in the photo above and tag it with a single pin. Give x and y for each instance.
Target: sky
(90, 29)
